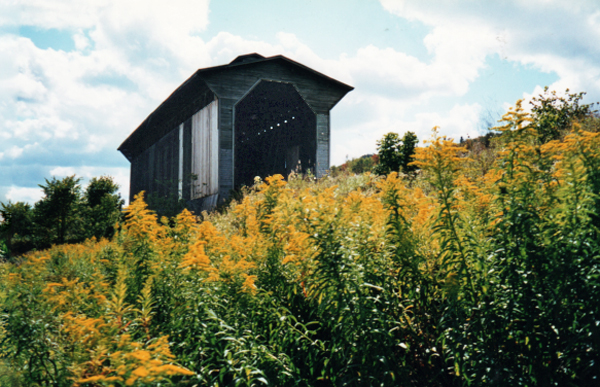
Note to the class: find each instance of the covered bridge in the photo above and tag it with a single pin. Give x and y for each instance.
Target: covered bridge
(255, 116)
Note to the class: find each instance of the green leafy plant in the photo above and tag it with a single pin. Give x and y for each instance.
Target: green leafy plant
(395, 153)
(461, 274)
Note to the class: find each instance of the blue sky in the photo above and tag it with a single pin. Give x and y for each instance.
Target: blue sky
(76, 78)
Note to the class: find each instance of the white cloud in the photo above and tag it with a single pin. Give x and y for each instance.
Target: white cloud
(79, 102)
(59, 109)
(550, 35)
(14, 152)
(62, 171)
(24, 194)
(462, 120)
(81, 41)
(65, 113)
(50, 13)
(173, 18)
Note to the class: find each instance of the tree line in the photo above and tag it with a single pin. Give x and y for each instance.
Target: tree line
(66, 213)
(69, 214)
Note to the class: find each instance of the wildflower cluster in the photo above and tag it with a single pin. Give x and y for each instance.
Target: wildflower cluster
(458, 275)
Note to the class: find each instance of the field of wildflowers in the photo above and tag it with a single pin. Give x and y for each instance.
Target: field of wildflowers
(484, 269)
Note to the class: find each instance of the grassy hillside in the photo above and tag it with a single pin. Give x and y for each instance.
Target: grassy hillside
(482, 270)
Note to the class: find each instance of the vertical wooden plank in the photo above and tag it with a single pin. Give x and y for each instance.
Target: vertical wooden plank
(214, 149)
(205, 162)
(187, 158)
(175, 162)
(322, 164)
(226, 156)
(226, 164)
(196, 153)
(180, 165)
(156, 169)
(151, 162)
(134, 177)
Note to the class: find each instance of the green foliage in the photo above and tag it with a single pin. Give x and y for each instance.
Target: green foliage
(17, 227)
(395, 154)
(169, 205)
(460, 275)
(64, 215)
(553, 115)
(56, 215)
(102, 207)
(409, 143)
(357, 165)
(591, 123)
(389, 152)
(3, 250)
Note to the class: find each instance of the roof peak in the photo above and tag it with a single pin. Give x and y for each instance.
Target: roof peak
(247, 58)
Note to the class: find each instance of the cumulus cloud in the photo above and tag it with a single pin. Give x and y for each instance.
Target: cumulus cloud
(66, 112)
(64, 109)
(24, 194)
(550, 35)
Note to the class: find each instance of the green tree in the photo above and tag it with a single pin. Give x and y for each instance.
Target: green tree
(409, 143)
(64, 215)
(57, 215)
(361, 165)
(553, 116)
(357, 165)
(3, 250)
(395, 153)
(104, 207)
(16, 226)
(388, 150)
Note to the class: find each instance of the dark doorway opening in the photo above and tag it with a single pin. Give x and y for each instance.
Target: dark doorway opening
(275, 133)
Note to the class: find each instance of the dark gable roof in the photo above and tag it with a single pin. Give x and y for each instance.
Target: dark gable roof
(246, 58)
(256, 58)
(193, 95)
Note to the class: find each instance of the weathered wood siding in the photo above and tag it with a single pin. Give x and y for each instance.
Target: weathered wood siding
(156, 170)
(188, 147)
(187, 160)
(225, 146)
(234, 82)
(322, 144)
(205, 151)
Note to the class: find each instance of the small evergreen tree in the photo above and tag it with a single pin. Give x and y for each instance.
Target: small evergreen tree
(395, 154)
(409, 143)
(388, 150)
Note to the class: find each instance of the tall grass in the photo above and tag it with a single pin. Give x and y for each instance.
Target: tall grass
(461, 276)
